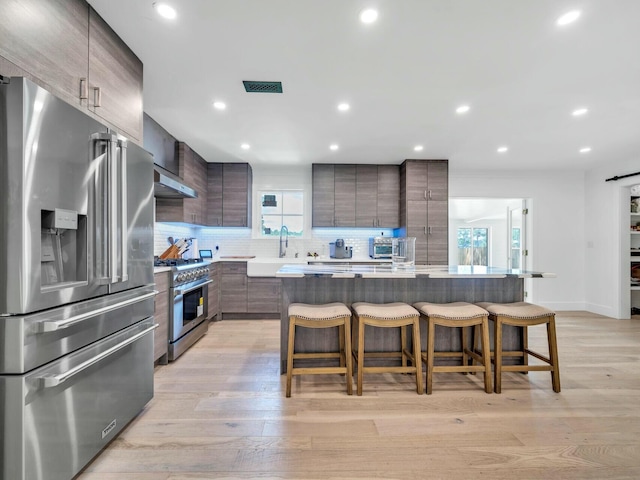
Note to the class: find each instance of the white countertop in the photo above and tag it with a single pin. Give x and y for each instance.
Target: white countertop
(389, 271)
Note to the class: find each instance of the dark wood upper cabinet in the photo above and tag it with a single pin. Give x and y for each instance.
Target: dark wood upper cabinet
(214, 194)
(115, 78)
(356, 195)
(68, 49)
(323, 195)
(48, 42)
(237, 179)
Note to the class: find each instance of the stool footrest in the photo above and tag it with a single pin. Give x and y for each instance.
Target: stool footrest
(387, 369)
(317, 370)
(527, 368)
(298, 356)
(458, 368)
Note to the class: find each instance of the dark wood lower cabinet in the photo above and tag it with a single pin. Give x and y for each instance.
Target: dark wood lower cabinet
(161, 317)
(240, 294)
(263, 295)
(213, 296)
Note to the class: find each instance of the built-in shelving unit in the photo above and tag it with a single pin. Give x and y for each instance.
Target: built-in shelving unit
(634, 249)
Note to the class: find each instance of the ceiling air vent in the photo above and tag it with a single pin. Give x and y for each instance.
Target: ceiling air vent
(262, 87)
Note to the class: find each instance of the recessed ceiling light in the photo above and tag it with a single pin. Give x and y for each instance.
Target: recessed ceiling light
(579, 111)
(418, 148)
(503, 149)
(585, 149)
(334, 146)
(369, 15)
(164, 10)
(343, 107)
(463, 109)
(219, 105)
(245, 146)
(568, 18)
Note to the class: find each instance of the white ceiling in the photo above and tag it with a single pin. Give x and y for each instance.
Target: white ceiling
(404, 76)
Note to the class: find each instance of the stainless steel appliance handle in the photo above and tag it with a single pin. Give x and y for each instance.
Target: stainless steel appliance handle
(124, 237)
(112, 214)
(106, 260)
(52, 326)
(55, 380)
(187, 290)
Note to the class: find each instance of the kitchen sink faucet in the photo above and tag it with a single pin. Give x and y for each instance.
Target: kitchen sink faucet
(283, 250)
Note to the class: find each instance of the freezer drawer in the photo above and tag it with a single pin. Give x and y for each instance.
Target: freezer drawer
(30, 341)
(58, 417)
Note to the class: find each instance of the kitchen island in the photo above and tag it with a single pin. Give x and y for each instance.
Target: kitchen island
(317, 284)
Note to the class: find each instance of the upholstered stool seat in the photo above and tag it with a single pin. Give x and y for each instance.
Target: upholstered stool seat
(524, 315)
(456, 315)
(320, 316)
(387, 315)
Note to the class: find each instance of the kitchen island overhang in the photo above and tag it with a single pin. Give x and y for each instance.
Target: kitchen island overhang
(318, 284)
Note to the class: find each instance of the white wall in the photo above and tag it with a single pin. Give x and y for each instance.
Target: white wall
(606, 235)
(556, 222)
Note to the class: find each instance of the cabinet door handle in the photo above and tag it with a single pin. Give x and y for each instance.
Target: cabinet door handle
(429, 194)
(97, 97)
(84, 89)
(425, 229)
(429, 230)
(425, 194)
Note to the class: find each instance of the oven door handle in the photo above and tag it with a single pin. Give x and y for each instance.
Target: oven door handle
(55, 380)
(52, 326)
(187, 290)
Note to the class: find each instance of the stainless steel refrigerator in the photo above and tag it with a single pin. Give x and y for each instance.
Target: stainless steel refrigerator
(76, 284)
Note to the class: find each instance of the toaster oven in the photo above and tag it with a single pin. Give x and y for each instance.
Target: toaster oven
(380, 247)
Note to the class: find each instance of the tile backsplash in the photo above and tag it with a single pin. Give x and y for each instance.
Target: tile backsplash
(239, 241)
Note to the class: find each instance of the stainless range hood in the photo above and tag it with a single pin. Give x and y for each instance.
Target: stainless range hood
(167, 185)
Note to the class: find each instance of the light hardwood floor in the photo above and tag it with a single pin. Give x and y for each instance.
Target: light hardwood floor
(220, 412)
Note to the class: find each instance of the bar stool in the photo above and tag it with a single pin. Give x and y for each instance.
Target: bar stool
(388, 315)
(524, 315)
(456, 315)
(321, 316)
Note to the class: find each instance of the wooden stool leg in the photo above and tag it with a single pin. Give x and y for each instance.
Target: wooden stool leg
(341, 343)
(291, 343)
(403, 344)
(417, 360)
(463, 341)
(486, 353)
(430, 352)
(525, 347)
(553, 354)
(360, 355)
(348, 354)
(498, 355)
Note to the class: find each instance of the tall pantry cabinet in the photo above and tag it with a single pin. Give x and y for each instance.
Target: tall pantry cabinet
(424, 208)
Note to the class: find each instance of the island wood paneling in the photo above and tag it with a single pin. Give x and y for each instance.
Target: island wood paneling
(324, 289)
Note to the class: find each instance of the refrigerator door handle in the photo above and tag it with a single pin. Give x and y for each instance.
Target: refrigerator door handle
(106, 234)
(112, 212)
(55, 380)
(52, 326)
(124, 237)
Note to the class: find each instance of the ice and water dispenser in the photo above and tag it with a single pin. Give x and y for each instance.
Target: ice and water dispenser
(63, 249)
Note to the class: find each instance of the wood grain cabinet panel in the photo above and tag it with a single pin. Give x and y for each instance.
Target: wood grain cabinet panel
(67, 48)
(425, 208)
(48, 42)
(366, 190)
(236, 194)
(115, 78)
(233, 287)
(214, 194)
(323, 195)
(345, 195)
(388, 199)
(161, 317)
(213, 295)
(263, 295)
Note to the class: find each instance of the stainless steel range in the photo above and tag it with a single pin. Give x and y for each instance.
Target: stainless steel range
(188, 317)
